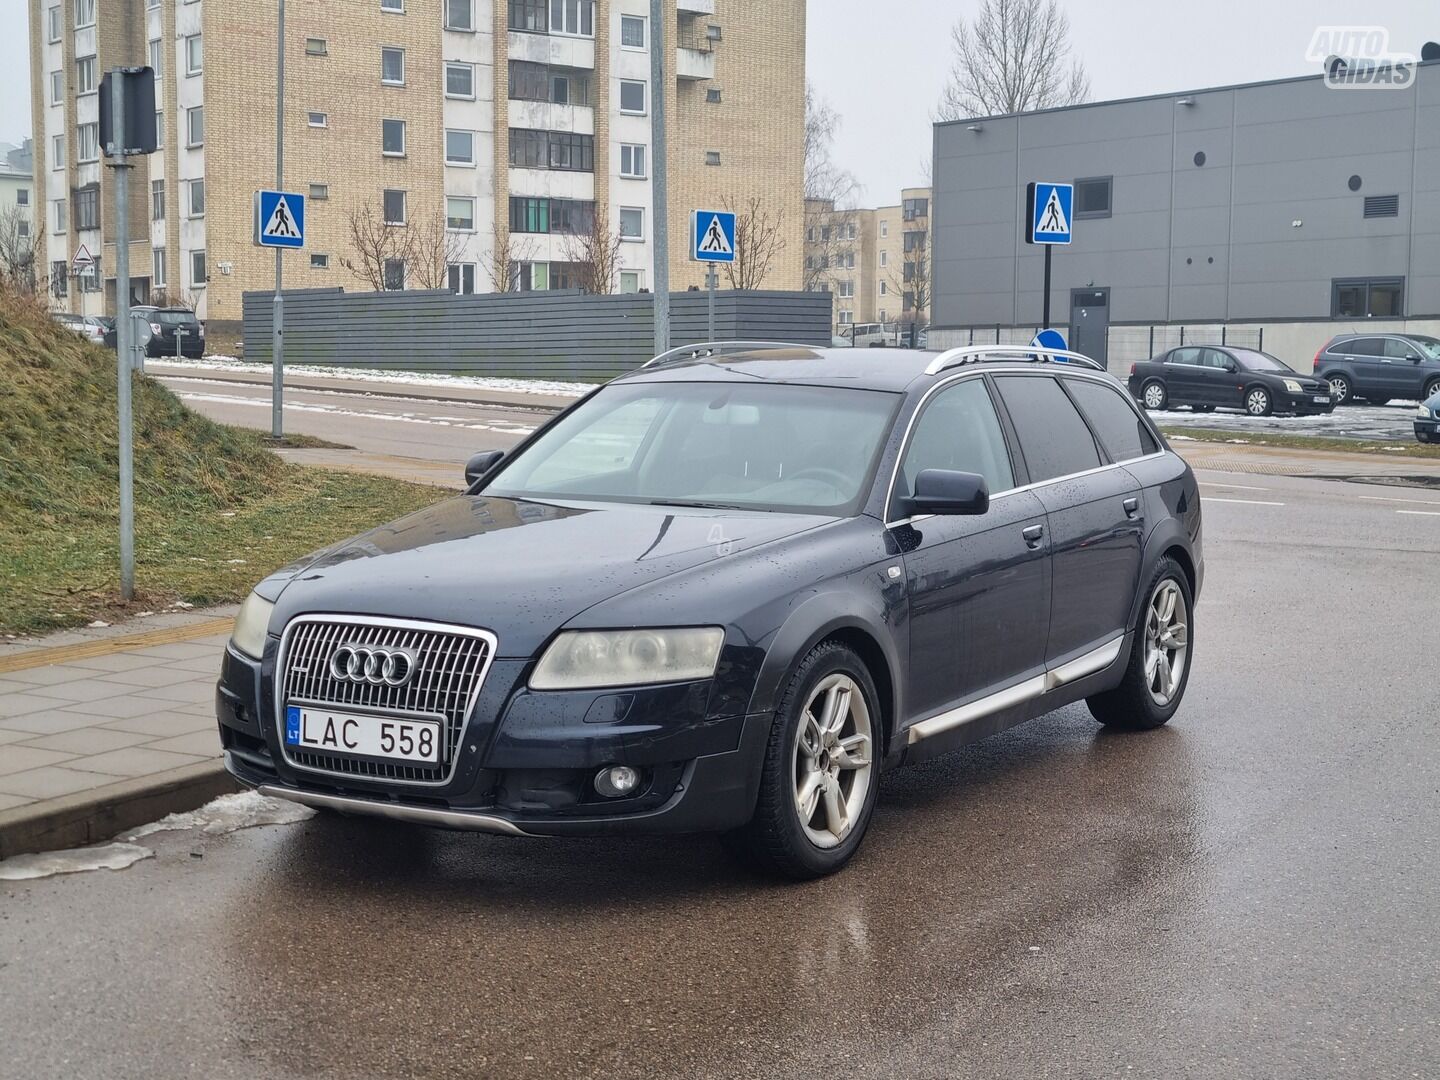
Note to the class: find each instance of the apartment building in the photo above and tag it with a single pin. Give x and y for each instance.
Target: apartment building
(874, 262)
(17, 200)
(468, 144)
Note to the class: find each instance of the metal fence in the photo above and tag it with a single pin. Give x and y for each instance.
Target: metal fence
(1123, 344)
(561, 334)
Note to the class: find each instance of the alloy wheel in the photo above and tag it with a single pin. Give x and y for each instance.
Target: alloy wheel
(1340, 387)
(833, 760)
(1154, 396)
(1167, 642)
(1257, 402)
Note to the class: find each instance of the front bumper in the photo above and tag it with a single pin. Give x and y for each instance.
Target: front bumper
(525, 761)
(1427, 431)
(1304, 404)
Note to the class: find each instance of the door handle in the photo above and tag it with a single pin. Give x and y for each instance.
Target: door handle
(1132, 506)
(1033, 534)
(1383, 361)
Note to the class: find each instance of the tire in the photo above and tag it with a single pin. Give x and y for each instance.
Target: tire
(1154, 396)
(1258, 401)
(1431, 388)
(1341, 389)
(776, 839)
(1139, 702)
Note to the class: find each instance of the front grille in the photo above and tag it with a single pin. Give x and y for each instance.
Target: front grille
(450, 664)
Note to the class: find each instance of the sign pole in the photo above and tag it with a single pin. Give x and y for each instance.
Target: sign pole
(1045, 319)
(124, 362)
(711, 280)
(660, 230)
(277, 316)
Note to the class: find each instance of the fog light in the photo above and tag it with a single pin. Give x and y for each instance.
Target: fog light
(616, 781)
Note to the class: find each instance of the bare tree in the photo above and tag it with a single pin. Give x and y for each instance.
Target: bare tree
(832, 240)
(596, 254)
(823, 178)
(759, 240)
(506, 252)
(913, 282)
(432, 248)
(375, 244)
(19, 250)
(1014, 56)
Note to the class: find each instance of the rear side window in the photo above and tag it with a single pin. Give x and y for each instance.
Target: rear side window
(1185, 356)
(959, 430)
(1053, 437)
(1365, 346)
(1120, 428)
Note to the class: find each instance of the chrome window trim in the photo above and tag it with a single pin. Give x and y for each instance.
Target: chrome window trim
(1105, 380)
(278, 685)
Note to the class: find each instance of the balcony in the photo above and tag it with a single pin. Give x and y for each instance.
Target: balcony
(694, 55)
(697, 7)
(549, 116)
(553, 50)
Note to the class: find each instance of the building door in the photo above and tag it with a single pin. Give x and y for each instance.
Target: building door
(1090, 322)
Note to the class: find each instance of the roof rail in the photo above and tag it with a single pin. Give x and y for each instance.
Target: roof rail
(716, 348)
(974, 354)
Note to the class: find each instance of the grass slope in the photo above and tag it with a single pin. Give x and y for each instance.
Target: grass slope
(214, 509)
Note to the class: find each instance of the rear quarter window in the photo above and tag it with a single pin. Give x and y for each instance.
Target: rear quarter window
(1053, 438)
(1121, 430)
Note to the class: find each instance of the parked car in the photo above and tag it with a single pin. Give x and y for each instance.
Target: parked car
(1207, 377)
(90, 327)
(165, 324)
(724, 593)
(1380, 367)
(1427, 420)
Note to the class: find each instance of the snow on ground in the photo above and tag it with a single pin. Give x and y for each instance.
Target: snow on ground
(422, 378)
(74, 861)
(1382, 422)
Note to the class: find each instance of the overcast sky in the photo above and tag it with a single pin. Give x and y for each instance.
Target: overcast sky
(882, 63)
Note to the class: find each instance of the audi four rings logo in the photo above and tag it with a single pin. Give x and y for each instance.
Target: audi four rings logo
(369, 664)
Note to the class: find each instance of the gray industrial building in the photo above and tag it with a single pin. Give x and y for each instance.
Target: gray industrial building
(1290, 209)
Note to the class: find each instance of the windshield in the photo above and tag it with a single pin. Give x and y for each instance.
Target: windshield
(1252, 360)
(1428, 345)
(798, 449)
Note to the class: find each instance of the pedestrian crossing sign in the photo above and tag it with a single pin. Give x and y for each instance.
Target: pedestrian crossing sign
(712, 236)
(1048, 213)
(279, 219)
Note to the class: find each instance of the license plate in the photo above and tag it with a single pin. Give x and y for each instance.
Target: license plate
(385, 737)
(1322, 399)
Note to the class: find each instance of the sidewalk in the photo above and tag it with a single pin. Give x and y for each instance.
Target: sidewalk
(102, 730)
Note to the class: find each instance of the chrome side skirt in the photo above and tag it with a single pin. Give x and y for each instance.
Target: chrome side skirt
(1088, 664)
(415, 815)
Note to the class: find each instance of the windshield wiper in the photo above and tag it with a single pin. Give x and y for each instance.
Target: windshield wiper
(696, 505)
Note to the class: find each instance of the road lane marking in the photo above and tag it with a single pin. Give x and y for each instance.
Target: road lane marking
(501, 426)
(1247, 502)
(1384, 498)
(1421, 513)
(1237, 487)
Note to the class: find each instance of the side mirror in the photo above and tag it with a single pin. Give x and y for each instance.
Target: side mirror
(1231, 366)
(945, 491)
(480, 464)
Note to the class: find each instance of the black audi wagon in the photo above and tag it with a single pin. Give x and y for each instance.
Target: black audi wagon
(727, 591)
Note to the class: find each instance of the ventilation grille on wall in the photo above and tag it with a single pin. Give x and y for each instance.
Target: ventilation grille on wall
(1382, 205)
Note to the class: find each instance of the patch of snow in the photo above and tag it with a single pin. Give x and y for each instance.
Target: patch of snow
(426, 378)
(77, 860)
(226, 814)
(1182, 438)
(97, 624)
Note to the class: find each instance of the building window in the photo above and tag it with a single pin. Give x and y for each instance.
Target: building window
(397, 6)
(157, 268)
(61, 217)
(632, 223)
(195, 126)
(459, 14)
(460, 80)
(1367, 297)
(57, 151)
(914, 241)
(317, 119)
(536, 82)
(847, 317)
(84, 75)
(194, 55)
(319, 262)
(157, 200)
(87, 143)
(917, 208)
(529, 215)
(846, 290)
(1382, 206)
(157, 57)
(529, 15)
(52, 20)
(316, 46)
(574, 17)
(22, 196)
(884, 228)
(850, 231)
(630, 281)
(460, 213)
(460, 277)
(197, 198)
(87, 206)
(712, 94)
(632, 32)
(392, 66)
(392, 138)
(392, 206)
(159, 130)
(459, 147)
(319, 192)
(541, 215)
(198, 274)
(394, 274)
(59, 273)
(1092, 197)
(84, 13)
(632, 161)
(884, 287)
(567, 151)
(632, 97)
(712, 157)
(57, 87)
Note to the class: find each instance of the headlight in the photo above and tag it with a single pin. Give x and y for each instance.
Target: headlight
(590, 658)
(248, 636)
(1294, 387)
(1423, 411)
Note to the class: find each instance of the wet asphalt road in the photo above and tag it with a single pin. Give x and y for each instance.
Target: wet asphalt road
(1248, 892)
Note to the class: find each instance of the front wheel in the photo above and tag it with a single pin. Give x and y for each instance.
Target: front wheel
(1154, 395)
(1431, 388)
(1257, 401)
(818, 785)
(1159, 667)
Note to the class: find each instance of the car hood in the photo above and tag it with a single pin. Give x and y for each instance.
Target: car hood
(518, 568)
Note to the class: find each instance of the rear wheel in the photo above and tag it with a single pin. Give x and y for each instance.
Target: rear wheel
(1257, 401)
(1341, 390)
(1154, 395)
(1159, 666)
(817, 790)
